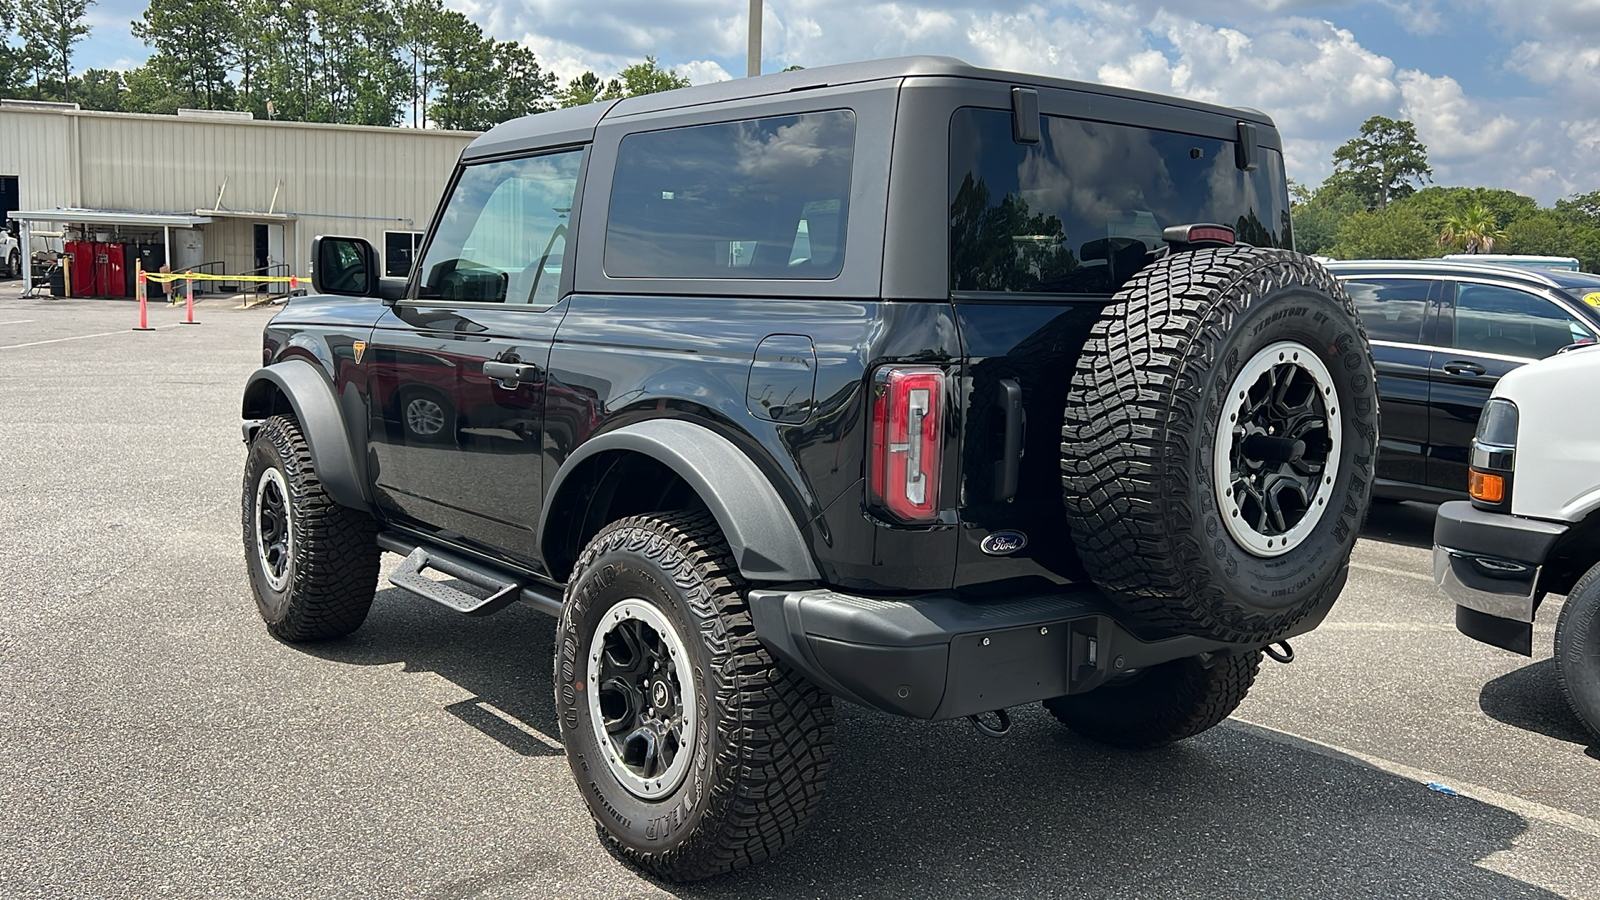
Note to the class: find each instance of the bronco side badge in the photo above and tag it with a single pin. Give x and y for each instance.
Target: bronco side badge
(1004, 543)
(361, 349)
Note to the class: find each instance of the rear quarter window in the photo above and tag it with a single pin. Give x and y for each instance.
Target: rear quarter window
(1083, 209)
(1391, 309)
(759, 198)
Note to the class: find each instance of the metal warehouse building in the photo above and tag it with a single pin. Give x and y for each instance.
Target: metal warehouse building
(216, 192)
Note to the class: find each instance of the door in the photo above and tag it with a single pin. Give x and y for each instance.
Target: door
(1493, 329)
(1394, 311)
(268, 251)
(458, 370)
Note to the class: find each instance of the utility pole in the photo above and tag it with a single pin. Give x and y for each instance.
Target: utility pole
(752, 66)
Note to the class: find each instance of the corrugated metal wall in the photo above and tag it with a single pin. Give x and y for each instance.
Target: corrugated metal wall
(333, 179)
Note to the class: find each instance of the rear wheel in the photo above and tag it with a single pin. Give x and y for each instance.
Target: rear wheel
(697, 752)
(1578, 650)
(313, 564)
(1219, 438)
(14, 265)
(1156, 706)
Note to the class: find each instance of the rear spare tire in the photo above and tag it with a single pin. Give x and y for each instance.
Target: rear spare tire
(1219, 439)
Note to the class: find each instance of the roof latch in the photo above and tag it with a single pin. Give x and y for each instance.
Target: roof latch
(1245, 154)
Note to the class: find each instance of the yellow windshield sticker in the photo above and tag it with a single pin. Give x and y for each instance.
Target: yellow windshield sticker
(1592, 299)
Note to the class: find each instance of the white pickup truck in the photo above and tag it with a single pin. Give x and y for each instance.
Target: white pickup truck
(1532, 527)
(10, 255)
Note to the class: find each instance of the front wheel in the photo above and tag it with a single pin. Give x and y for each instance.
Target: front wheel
(313, 564)
(14, 265)
(1157, 706)
(697, 752)
(1578, 650)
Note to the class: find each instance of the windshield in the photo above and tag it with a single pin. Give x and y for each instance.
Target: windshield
(1082, 210)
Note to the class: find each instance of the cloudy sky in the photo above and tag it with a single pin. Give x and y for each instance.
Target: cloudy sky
(1505, 93)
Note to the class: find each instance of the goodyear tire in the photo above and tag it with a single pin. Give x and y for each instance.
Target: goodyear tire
(696, 751)
(1219, 440)
(1162, 704)
(313, 564)
(1578, 650)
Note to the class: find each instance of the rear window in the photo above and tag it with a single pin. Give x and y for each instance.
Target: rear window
(761, 198)
(1082, 210)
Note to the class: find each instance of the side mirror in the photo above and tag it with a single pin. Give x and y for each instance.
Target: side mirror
(344, 265)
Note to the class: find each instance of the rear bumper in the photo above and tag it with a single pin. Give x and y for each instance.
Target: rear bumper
(1489, 564)
(940, 657)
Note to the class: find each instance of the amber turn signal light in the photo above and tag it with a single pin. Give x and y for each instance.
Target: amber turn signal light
(1485, 487)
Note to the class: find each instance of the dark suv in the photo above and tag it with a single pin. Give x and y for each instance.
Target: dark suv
(1443, 332)
(935, 389)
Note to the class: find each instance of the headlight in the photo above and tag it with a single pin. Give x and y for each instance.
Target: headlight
(1494, 453)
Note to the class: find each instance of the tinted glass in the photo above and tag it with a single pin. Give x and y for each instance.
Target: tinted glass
(1491, 319)
(502, 237)
(1081, 211)
(1392, 309)
(762, 198)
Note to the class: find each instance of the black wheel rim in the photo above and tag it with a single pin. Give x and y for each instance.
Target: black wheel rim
(1278, 449)
(642, 699)
(274, 528)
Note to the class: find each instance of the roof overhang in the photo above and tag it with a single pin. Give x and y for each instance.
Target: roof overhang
(75, 216)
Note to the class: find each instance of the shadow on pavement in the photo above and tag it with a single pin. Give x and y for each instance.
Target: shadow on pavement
(917, 809)
(1409, 523)
(1530, 699)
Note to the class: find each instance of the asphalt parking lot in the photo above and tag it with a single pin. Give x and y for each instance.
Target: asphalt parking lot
(156, 741)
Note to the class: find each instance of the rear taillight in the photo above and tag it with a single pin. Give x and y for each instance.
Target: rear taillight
(907, 417)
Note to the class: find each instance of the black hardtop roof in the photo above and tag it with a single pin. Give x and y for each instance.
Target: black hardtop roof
(576, 124)
(1444, 268)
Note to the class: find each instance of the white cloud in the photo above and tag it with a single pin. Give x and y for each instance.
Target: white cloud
(703, 71)
(1452, 126)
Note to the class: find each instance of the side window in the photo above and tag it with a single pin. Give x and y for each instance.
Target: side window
(1493, 319)
(400, 252)
(502, 238)
(761, 198)
(1392, 309)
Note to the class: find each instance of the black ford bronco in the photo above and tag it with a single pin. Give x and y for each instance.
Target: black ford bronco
(935, 389)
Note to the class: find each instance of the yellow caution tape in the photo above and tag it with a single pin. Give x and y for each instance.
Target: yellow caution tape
(170, 277)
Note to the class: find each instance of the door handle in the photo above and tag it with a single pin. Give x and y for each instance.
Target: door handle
(509, 373)
(1462, 367)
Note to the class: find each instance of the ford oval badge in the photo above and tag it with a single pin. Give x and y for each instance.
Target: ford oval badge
(1004, 543)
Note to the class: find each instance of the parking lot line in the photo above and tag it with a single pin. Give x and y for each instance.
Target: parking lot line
(1522, 806)
(17, 322)
(1398, 573)
(79, 337)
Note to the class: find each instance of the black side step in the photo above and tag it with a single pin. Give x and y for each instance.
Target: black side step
(409, 577)
(503, 588)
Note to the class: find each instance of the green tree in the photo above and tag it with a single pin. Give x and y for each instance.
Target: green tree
(193, 47)
(420, 25)
(1318, 217)
(50, 29)
(101, 89)
(1394, 233)
(1473, 229)
(483, 82)
(149, 91)
(587, 88)
(648, 78)
(1380, 165)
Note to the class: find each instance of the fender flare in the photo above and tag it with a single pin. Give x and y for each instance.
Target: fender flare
(317, 411)
(766, 542)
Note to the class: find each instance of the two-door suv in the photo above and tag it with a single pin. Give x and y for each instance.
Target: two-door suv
(935, 389)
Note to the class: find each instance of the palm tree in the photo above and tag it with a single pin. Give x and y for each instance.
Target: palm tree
(1472, 229)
